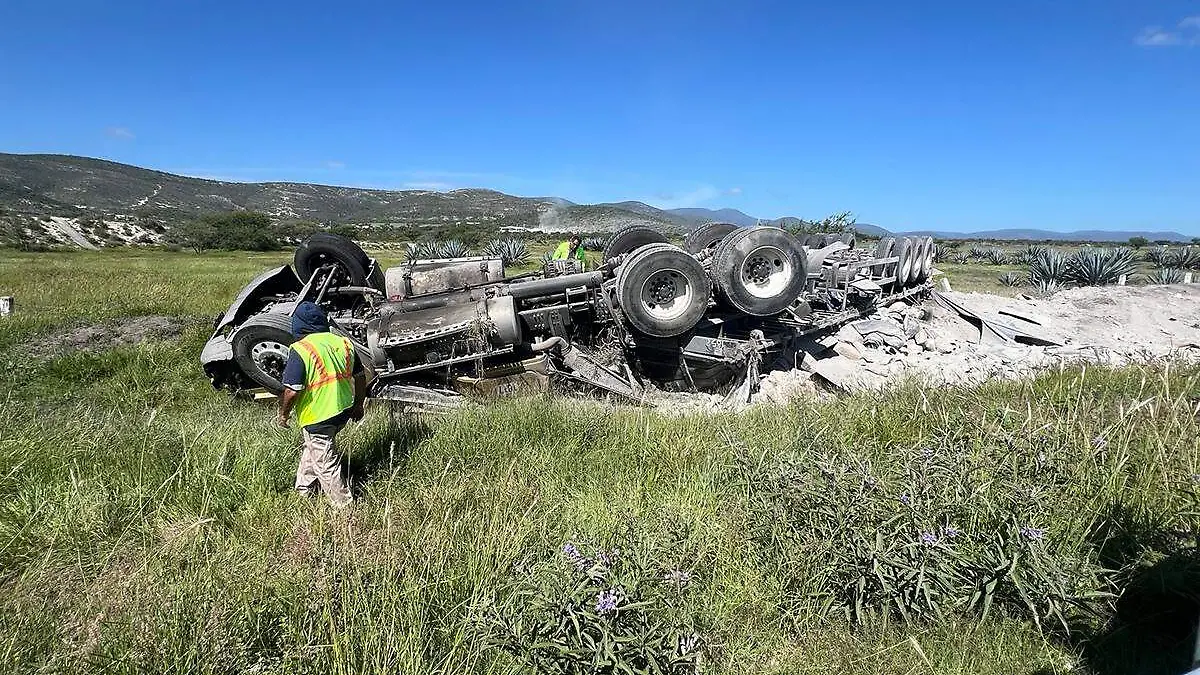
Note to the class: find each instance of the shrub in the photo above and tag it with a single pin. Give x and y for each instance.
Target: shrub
(995, 256)
(511, 251)
(1049, 267)
(944, 531)
(1159, 255)
(1100, 266)
(978, 252)
(1012, 279)
(1164, 276)
(1028, 254)
(1186, 257)
(944, 252)
(234, 231)
(420, 250)
(614, 611)
(452, 248)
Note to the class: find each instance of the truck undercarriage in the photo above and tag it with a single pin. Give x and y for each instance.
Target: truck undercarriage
(707, 316)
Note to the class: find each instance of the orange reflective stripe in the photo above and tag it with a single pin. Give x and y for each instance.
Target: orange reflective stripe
(318, 363)
(328, 379)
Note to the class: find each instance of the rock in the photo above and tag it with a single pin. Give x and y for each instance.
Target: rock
(847, 350)
(922, 337)
(945, 346)
(849, 333)
(898, 306)
(912, 349)
(838, 371)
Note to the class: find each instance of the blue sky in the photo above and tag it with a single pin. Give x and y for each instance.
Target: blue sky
(935, 114)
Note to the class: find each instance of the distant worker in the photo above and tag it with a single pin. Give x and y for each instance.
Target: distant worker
(326, 384)
(571, 249)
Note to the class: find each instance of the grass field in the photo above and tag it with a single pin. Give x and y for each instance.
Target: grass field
(147, 522)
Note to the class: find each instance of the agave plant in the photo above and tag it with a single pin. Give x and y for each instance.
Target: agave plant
(1050, 266)
(961, 258)
(978, 252)
(1187, 258)
(1159, 255)
(943, 252)
(511, 251)
(1166, 275)
(1100, 266)
(546, 258)
(1046, 286)
(1011, 279)
(1027, 255)
(595, 243)
(452, 248)
(420, 250)
(995, 256)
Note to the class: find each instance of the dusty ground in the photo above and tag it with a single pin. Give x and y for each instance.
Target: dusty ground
(100, 337)
(1106, 325)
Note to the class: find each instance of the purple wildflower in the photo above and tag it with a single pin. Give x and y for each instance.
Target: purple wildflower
(927, 452)
(1196, 478)
(869, 482)
(905, 499)
(1099, 442)
(1034, 533)
(572, 554)
(606, 602)
(950, 531)
(928, 538)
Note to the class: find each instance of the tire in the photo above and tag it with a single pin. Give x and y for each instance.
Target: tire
(760, 271)
(332, 249)
(260, 349)
(846, 238)
(628, 238)
(883, 249)
(663, 291)
(927, 261)
(814, 241)
(707, 236)
(920, 265)
(905, 250)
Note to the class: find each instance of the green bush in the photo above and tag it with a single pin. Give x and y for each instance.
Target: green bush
(1100, 266)
(234, 231)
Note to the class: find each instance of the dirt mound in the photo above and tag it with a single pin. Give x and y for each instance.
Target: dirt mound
(101, 337)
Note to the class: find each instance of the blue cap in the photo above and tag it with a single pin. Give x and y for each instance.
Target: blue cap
(308, 318)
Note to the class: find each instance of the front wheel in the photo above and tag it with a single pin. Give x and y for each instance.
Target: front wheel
(261, 347)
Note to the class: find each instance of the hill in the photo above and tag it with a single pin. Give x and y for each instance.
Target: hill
(1116, 236)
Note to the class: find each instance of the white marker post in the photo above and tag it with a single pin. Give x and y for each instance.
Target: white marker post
(6, 305)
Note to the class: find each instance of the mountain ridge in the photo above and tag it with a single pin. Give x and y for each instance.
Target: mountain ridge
(70, 187)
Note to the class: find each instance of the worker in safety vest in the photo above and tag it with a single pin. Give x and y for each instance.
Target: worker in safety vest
(325, 382)
(571, 248)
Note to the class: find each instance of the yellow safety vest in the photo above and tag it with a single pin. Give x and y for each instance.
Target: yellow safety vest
(328, 377)
(563, 252)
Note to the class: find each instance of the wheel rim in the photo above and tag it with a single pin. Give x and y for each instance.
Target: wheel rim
(270, 357)
(666, 295)
(765, 272)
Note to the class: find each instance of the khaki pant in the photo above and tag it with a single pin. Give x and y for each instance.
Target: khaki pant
(320, 464)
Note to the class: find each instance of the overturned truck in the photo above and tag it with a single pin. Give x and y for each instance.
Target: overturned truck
(709, 315)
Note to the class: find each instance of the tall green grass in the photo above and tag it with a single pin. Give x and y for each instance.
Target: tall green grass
(147, 522)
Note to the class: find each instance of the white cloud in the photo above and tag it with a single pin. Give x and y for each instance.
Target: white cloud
(734, 191)
(1187, 32)
(119, 133)
(1155, 36)
(331, 164)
